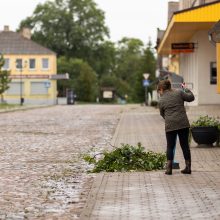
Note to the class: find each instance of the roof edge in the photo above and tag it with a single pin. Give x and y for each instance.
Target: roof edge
(196, 7)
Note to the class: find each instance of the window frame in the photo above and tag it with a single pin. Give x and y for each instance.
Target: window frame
(8, 67)
(42, 64)
(213, 79)
(32, 59)
(16, 64)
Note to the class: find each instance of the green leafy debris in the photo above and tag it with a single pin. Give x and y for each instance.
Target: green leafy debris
(127, 158)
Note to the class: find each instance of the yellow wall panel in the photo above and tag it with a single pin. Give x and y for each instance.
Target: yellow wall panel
(218, 67)
(210, 13)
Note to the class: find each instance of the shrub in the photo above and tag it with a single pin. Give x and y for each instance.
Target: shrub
(127, 158)
(206, 121)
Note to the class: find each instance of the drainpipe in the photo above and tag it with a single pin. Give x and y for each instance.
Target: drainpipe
(218, 67)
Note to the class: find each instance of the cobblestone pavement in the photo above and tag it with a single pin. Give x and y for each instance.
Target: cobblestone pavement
(42, 173)
(153, 195)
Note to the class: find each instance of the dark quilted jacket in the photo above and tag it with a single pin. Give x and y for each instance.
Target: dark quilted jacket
(172, 109)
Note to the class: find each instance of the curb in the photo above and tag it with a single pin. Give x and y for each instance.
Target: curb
(24, 108)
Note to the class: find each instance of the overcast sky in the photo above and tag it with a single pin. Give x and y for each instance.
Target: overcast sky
(130, 18)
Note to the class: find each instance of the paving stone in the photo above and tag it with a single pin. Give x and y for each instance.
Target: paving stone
(153, 195)
(41, 168)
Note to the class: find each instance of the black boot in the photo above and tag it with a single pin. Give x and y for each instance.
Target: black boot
(187, 169)
(169, 167)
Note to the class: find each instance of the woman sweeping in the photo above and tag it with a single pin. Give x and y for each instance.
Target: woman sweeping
(172, 109)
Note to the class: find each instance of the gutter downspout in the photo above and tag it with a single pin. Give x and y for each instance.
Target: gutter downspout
(218, 66)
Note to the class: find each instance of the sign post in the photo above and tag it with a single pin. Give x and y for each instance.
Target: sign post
(146, 83)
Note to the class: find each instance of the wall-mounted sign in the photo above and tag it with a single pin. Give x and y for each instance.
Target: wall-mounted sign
(182, 48)
(108, 94)
(47, 84)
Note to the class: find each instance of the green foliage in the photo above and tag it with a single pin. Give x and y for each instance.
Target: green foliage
(83, 79)
(8, 106)
(73, 68)
(76, 31)
(121, 87)
(86, 86)
(129, 51)
(103, 58)
(127, 158)
(72, 28)
(147, 65)
(132, 60)
(4, 78)
(206, 121)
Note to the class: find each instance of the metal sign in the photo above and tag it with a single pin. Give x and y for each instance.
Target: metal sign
(108, 94)
(146, 82)
(47, 84)
(146, 75)
(182, 47)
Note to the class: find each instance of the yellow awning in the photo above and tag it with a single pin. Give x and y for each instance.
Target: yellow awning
(185, 23)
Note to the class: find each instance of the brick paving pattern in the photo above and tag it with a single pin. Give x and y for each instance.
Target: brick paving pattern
(41, 170)
(153, 195)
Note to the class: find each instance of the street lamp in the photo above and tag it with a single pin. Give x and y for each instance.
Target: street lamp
(20, 66)
(214, 33)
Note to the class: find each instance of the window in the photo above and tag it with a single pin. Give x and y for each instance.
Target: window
(15, 88)
(18, 63)
(213, 73)
(32, 64)
(6, 64)
(39, 88)
(45, 63)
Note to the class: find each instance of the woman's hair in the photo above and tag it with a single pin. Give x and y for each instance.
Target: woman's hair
(164, 85)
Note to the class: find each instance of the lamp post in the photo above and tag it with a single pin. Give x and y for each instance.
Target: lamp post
(146, 84)
(20, 66)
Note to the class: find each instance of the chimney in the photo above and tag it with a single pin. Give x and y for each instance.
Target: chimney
(206, 1)
(172, 7)
(6, 28)
(26, 32)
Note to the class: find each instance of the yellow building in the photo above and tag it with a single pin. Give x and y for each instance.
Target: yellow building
(187, 36)
(32, 69)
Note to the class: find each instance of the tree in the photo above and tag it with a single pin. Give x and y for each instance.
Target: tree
(148, 65)
(72, 28)
(4, 78)
(103, 59)
(82, 78)
(72, 67)
(128, 62)
(86, 84)
(149, 61)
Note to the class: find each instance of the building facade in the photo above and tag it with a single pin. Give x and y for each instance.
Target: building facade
(187, 40)
(32, 69)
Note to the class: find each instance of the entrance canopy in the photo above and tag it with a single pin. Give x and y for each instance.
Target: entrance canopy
(184, 24)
